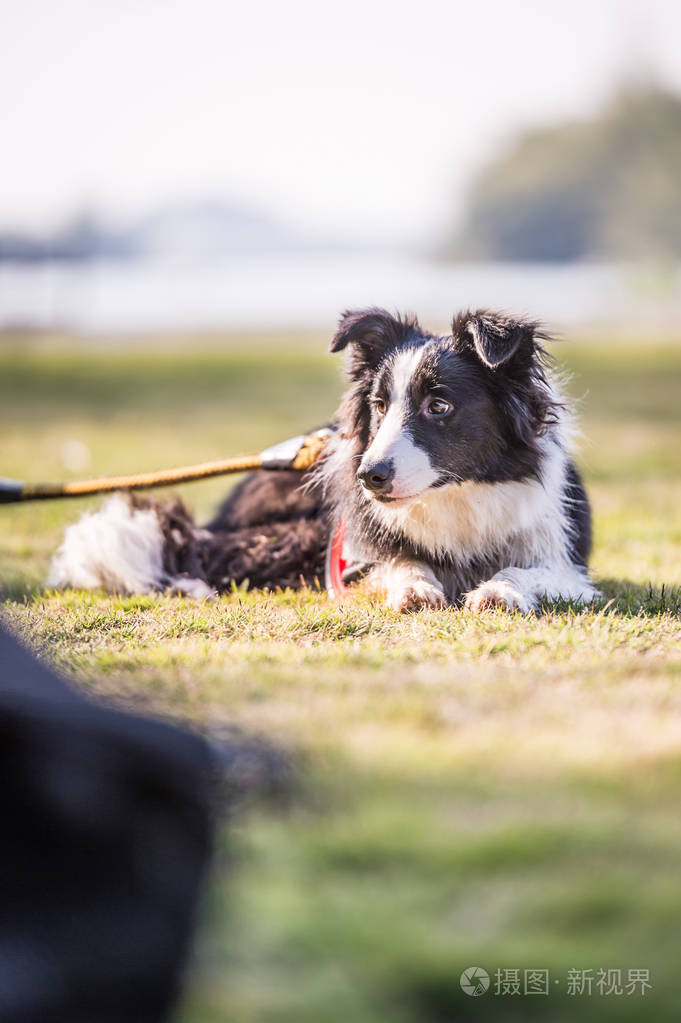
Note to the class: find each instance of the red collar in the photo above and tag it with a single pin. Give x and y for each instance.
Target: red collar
(336, 563)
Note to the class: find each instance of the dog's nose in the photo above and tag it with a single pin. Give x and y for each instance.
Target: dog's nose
(377, 477)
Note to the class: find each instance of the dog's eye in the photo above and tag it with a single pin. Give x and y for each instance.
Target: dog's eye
(380, 406)
(438, 407)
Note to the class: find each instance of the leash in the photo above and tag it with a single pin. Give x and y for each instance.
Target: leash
(297, 453)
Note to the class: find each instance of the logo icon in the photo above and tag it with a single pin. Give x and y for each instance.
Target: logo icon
(474, 981)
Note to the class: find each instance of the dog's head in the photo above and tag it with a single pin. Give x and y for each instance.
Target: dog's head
(426, 410)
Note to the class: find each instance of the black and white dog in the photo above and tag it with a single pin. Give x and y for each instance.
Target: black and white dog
(449, 467)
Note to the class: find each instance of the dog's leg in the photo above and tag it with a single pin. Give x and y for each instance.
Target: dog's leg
(523, 588)
(408, 585)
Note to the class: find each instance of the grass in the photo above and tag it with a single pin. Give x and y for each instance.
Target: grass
(488, 790)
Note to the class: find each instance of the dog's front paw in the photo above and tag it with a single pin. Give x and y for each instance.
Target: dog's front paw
(417, 595)
(497, 593)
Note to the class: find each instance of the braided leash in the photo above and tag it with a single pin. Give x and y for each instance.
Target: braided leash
(298, 453)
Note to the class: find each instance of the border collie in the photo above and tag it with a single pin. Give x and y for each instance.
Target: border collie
(449, 466)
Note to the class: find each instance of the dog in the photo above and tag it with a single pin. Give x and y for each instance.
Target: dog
(449, 466)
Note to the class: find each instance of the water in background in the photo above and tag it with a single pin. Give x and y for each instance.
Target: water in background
(308, 291)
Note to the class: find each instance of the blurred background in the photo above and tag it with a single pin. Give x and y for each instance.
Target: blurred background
(210, 165)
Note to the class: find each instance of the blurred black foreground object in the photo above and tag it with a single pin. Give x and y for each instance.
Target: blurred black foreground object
(107, 823)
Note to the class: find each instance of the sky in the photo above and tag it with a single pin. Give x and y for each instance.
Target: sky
(362, 119)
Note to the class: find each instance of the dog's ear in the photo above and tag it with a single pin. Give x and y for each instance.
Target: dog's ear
(494, 337)
(512, 349)
(371, 332)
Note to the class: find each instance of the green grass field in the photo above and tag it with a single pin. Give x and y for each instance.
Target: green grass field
(491, 791)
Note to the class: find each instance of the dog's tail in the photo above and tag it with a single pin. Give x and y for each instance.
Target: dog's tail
(269, 534)
(132, 546)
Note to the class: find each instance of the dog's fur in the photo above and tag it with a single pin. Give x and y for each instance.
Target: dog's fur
(450, 467)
